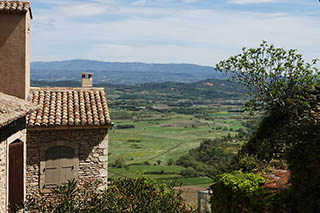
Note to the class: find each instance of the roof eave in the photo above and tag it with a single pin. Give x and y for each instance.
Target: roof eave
(49, 128)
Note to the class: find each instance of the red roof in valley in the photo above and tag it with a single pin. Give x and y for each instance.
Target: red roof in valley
(69, 107)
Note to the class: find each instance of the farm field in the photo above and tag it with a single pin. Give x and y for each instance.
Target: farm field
(155, 124)
(163, 138)
(150, 130)
(148, 146)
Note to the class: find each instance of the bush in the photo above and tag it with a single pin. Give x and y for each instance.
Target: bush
(248, 163)
(170, 162)
(134, 140)
(125, 126)
(158, 162)
(189, 172)
(136, 146)
(119, 163)
(124, 195)
(147, 163)
(238, 192)
(304, 163)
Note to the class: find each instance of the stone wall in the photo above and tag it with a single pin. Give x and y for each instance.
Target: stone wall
(92, 154)
(4, 167)
(3, 175)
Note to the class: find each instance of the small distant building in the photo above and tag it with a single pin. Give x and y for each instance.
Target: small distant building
(67, 135)
(12, 149)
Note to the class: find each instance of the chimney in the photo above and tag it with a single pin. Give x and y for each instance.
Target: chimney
(15, 19)
(86, 80)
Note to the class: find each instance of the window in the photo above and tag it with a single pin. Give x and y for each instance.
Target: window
(59, 166)
(58, 162)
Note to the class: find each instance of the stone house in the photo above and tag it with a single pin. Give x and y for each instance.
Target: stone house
(12, 149)
(67, 135)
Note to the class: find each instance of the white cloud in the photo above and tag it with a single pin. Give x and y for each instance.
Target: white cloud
(139, 2)
(167, 34)
(190, 1)
(251, 1)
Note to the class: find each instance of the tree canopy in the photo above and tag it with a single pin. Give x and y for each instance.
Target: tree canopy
(287, 88)
(276, 78)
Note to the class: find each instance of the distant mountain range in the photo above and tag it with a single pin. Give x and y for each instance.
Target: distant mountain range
(121, 73)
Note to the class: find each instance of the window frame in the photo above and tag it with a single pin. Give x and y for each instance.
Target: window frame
(43, 150)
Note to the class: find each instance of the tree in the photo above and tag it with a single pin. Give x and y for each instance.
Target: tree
(119, 163)
(276, 78)
(170, 162)
(286, 88)
(282, 85)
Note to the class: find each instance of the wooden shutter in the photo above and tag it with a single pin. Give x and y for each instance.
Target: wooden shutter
(52, 168)
(16, 173)
(59, 166)
(67, 165)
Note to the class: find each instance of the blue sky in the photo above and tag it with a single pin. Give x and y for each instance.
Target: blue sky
(170, 31)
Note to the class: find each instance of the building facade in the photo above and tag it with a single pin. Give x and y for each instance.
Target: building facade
(12, 150)
(67, 135)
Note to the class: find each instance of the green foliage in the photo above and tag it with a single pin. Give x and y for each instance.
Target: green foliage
(189, 172)
(170, 162)
(238, 192)
(146, 163)
(248, 163)
(124, 195)
(266, 143)
(274, 76)
(119, 163)
(125, 126)
(134, 140)
(286, 88)
(304, 162)
(212, 156)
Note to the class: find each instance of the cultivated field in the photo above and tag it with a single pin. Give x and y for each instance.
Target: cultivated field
(158, 137)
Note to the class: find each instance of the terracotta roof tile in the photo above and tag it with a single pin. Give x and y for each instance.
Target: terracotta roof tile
(12, 108)
(16, 7)
(69, 107)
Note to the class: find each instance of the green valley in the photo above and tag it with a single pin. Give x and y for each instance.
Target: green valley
(157, 123)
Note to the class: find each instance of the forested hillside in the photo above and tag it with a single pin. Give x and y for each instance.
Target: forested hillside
(121, 73)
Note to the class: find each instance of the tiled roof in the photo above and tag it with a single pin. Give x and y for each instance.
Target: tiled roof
(17, 7)
(69, 107)
(12, 108)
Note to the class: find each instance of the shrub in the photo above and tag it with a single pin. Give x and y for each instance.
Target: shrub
(170, 162)
(119, 163)
(147, 163)
(134, 140)
(125, 126)
(158, 162)
(248, 163)
(124, 195)
(189, 172)
(136, 146)
(238, 192)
